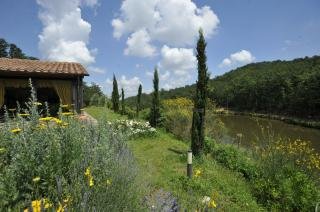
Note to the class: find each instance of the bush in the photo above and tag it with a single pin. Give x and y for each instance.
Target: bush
(132, 128)
(130, 113)
(65, 164)
(236, 160)
(178, 119)
(289, 176)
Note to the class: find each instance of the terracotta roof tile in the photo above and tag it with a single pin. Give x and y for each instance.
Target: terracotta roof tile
(38, 66)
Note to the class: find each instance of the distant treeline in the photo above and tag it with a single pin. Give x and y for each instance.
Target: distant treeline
(279, 87)
(11, 50)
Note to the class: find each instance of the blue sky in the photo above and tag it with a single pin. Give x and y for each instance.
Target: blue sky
(131, 37)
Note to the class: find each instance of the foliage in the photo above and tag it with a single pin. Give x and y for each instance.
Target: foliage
(289, 178)
(199, 112)
(65, 164)
(276, 87)
(10, 50)
(178, 119)
(139, 99)
(178, 116)
(115, 95)
(284, 87)
(93, 95)
(235, 160)
(3, 48)
(130, 113)
(155, 115)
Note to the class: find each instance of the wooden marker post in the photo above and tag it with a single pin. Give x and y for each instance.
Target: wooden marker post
(189, 165)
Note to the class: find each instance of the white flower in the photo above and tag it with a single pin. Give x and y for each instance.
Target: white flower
(205, 200)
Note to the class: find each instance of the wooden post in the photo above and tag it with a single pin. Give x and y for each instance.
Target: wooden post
(189, 164)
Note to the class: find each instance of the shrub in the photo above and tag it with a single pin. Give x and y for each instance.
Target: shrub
(236, 160)
(289, 176)
(65, 164)
(132, 128)
(130, 113)
(178, 119)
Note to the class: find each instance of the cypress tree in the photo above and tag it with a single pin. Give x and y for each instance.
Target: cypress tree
(123, 111)
(115, 95)
(154, 117)
(199, 111)
(139, 99)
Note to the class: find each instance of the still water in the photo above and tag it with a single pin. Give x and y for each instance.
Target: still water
(251, 130)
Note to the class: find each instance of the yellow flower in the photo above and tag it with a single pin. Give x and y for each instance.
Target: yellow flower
(87, 172)
(36, 205)
(89, 176)
(58, 121)
(108, 182)
(36, 179)
(91, 183)
(24, 114)
(65, 124)
(48, 118)
(197, 173)
(16, 130)
(67, 114)
(212, 204)
(37, 103)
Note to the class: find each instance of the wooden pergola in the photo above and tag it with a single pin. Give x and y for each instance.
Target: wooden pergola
(62, 80)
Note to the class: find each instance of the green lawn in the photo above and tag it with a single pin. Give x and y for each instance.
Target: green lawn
(162, 163)
(103, 113)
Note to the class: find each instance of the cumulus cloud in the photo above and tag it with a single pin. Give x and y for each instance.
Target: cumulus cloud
(65, 34)
(130, 86)
(139, 45)
(239, 58)
(169, 21)
(178, 60)
(97, 70)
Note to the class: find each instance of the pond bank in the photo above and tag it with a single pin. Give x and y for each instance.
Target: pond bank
(289, 120)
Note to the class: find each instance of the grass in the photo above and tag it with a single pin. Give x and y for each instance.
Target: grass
(162, 163)
(103, 113)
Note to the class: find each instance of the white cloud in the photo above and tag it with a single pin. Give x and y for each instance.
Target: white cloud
(139, 45)
(65, 34)
(130, 86)
(96, 70)
(178, 60)
(162, 76)
(172, 22)
(239, 58)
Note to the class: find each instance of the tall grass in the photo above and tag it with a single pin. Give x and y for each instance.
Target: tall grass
(62, 163)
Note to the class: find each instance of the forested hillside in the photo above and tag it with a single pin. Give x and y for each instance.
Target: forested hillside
(281, 87)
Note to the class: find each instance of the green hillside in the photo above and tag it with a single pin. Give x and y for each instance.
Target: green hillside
(280, 87)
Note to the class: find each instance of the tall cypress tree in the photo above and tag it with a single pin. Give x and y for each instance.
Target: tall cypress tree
(139, 99)
(154, 117)
(199, 111)
(115, 95)
(123, 110)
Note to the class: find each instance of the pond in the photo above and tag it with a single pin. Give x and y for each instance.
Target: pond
(251, 130)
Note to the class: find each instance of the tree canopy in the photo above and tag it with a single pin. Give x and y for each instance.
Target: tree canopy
(11, 50)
